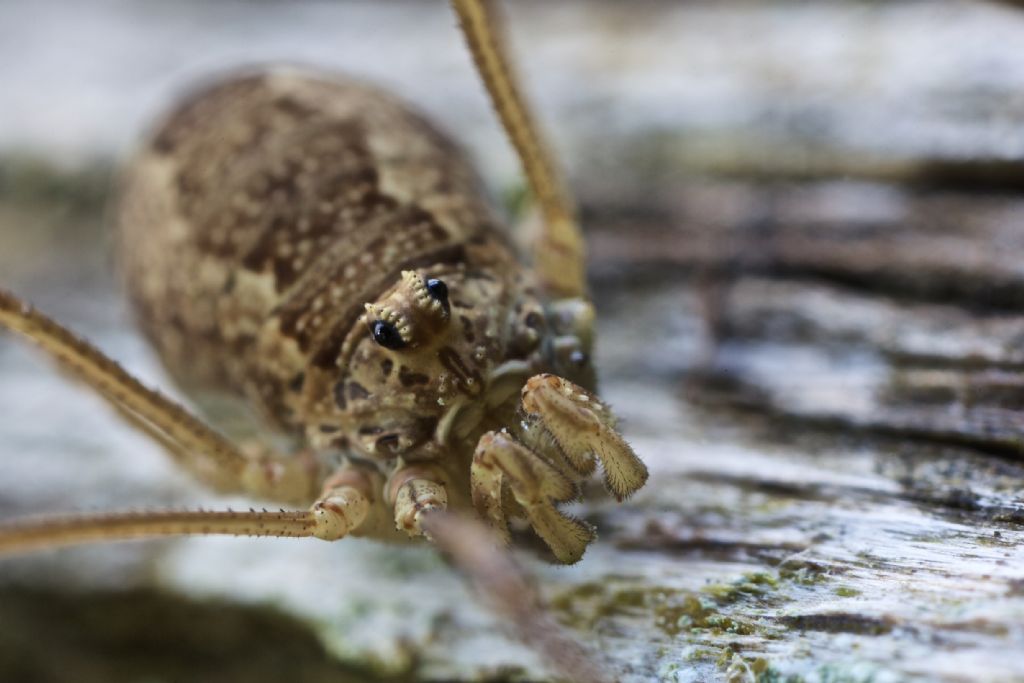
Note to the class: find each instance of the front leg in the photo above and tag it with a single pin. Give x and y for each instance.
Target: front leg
(199, 448)
(415, 490)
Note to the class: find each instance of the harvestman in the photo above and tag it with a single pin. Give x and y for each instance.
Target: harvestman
(310, 244)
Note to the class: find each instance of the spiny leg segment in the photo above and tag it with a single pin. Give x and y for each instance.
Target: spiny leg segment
(330, 518)
(558, 252)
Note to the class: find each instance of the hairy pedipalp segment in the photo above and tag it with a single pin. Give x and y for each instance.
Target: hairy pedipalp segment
(584, 428)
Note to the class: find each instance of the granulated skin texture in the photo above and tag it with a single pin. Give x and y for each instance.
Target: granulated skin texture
(268, 209)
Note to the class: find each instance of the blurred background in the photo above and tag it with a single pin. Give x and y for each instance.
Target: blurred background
(807, 232)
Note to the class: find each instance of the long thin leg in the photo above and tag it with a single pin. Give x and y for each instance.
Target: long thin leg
(508, 590)
(558, 251)
(214, 459)
(337, 513)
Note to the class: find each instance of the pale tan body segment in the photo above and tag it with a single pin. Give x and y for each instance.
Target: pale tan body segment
(311, 246)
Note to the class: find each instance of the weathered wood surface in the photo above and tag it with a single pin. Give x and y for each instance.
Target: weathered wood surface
(818, 352)
(837, 487)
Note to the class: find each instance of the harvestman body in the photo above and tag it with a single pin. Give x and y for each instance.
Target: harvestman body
(312, 245)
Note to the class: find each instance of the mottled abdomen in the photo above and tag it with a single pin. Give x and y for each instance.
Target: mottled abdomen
(267, 209)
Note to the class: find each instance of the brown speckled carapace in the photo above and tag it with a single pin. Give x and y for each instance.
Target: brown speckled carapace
(310, 245)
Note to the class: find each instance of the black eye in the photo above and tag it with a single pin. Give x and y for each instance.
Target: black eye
(387, 336)
(438, 290)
